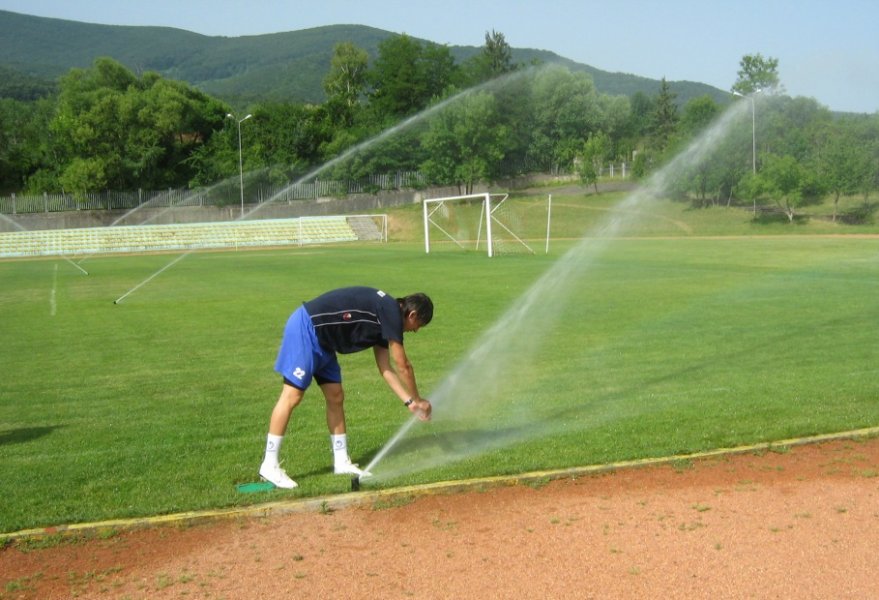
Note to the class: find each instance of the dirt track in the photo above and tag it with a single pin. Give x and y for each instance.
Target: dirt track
(796, 524)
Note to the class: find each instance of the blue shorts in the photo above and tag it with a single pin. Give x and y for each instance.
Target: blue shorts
(301, 357)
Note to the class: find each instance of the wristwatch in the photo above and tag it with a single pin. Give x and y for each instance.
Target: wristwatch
(408, 402)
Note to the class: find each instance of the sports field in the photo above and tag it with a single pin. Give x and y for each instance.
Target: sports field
(695, 329)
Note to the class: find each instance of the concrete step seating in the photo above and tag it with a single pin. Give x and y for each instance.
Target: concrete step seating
(189, 236)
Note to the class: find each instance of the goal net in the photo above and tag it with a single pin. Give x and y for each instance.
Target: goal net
(491, 223)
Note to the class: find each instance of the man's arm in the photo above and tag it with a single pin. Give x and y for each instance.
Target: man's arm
(401, 380)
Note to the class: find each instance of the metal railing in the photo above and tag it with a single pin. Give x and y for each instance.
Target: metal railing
(220, 195)
(227, 194)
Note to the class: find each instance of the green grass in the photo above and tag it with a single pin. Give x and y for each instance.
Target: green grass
(672, 343)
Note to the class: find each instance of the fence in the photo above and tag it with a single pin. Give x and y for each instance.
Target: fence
(229, 194)
(219, 195)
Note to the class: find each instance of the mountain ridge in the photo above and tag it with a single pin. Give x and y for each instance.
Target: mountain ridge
(282, 66)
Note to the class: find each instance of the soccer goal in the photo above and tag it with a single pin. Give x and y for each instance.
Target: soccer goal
(493, 222)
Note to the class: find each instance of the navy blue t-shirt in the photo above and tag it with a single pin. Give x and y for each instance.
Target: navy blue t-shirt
(352, 319)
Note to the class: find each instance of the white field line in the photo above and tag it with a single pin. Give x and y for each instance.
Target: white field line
(53, 304)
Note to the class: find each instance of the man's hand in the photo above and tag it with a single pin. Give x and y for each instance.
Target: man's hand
(421, 408)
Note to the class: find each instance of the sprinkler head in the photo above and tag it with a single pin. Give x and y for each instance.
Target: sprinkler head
(355, 483)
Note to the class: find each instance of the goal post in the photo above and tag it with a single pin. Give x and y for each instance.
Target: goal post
(451, 219)
(499, 223)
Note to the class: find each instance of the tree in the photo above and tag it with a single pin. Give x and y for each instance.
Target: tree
(289, 138)
(615, 111)
(786, 182)
(870, 135)
(498, 54)
(465, 143)
(407, 76)
(116, 131)
(594, 153)
(634, 130)
(396, 90)
(665, 117)
(704, 177)
(698, 113)
(495, 59)
(438, 71)
(514, 101)
(20, 86)
(642, 108)
(19, 142)
(789, 126)
(757, 73)
(345, 82)
(566, 111)
(844, 161)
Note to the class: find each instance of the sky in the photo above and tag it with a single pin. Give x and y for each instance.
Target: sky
(826, 50)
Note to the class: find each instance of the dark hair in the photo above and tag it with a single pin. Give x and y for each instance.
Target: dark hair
(420, 303)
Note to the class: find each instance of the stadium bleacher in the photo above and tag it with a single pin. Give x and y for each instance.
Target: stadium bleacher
(189, 236)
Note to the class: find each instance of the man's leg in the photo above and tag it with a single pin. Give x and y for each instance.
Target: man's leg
(289, 399)
(335, 397)
(271, 467)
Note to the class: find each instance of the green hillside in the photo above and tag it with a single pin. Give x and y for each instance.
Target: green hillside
(279, 66)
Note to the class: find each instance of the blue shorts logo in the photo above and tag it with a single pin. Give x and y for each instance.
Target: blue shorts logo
(298, 373)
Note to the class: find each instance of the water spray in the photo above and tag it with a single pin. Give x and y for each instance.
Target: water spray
(355, 149)
(151, 277)
(499, 360)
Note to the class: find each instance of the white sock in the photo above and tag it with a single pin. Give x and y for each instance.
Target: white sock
(273, 446)
(339, 444)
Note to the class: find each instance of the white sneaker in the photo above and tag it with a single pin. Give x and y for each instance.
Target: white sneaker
(348, 468)
(275, 475)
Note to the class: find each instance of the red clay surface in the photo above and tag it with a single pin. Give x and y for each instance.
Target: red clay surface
(802, 524)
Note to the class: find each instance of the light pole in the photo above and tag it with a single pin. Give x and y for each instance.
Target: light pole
(240, 161)
(753, 127)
